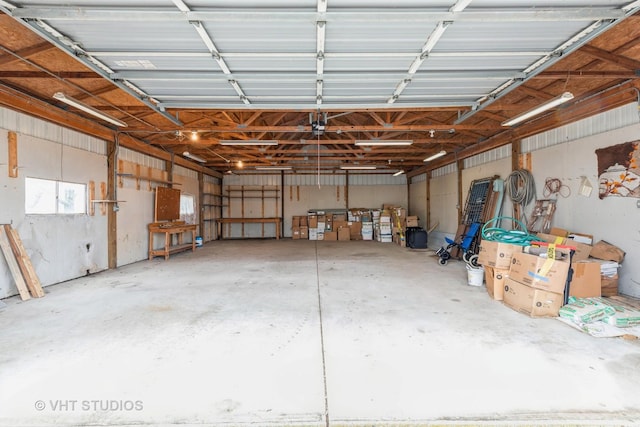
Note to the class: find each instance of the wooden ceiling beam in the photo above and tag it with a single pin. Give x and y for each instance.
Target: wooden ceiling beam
(26, 53)
(619, 60)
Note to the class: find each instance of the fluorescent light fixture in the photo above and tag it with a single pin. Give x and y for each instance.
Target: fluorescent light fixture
(322, 6)
(248, 142)
(567, 96)
(400, 172)
(435, 156)
(194, 157)
(273, 168)
(320, 35)
(357, 167)
(381, 142)
(88, 109)
(415, 65)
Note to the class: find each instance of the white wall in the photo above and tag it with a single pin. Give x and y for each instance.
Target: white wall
(61, 247)
(418, 198)
(614, 219)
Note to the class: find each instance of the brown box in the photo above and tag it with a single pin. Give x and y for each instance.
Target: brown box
(337, 224)
(295, 233)
(607, 251)
(295, 222)
(412, 221)
(531, 301)
(540, 273)
(312, 221)
(496, 254)
(303, 221)
(609, 286)
(582, 250)
(304, 232)
(330, 235)
(495, 279)
(355, 228)
(339, 217)
(586, 280)
(559, 232)
(344, 233)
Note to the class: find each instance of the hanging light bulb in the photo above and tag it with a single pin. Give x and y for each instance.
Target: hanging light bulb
(194, 135)
(240, 164)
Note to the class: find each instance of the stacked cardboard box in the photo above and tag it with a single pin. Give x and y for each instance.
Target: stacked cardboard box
(536, 284)
(299, 227)
(383, 228)
(496, 259)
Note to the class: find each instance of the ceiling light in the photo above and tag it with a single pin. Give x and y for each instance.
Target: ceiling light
(322, 6)
(400, 172)
(194, 135)
(194, 157)
(435, 156)
(248, 142)
(378, 142)
(273, 168)
(567, 96)
(240, 164)
(88, 109)
(434, 37)
(357, 167)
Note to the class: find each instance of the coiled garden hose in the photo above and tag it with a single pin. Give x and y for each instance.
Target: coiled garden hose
(518, 236)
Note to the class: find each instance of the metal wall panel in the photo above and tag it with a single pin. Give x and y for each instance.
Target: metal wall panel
(188, 173)
(613, 119)
(488, 156)
(444, 170)
(32, 126)
(419, 178)
(141, 159)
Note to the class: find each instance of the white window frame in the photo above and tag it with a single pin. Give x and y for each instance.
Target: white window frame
(52, 205)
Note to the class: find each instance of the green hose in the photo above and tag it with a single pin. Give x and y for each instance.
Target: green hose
(520, 237)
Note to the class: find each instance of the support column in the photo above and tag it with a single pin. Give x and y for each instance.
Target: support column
(112, 211)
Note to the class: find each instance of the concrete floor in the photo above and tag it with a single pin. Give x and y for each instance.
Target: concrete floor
(270, 332)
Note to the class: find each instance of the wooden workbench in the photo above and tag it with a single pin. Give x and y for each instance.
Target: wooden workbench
(169, 229)
(276, 221)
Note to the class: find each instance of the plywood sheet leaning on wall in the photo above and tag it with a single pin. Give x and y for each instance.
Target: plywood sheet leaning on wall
(20, 253)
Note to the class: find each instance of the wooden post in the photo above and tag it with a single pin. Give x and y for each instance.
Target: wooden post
(428, 190)
(201, 201)
(13, 154)
(346, 190)
(460, 166)
(112, 219)
(408, 195)
(515, 165)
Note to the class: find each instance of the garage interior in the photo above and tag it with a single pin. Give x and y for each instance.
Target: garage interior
(255, 117)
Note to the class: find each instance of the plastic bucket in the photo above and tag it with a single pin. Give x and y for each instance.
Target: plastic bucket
(475, 275)
(198, 241)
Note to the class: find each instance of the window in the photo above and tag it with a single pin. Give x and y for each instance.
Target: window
(44, 196)
(187, 208)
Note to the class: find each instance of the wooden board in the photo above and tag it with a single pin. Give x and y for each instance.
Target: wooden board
(24, 262)
(13, 266)
(13, 154)
(167, 204)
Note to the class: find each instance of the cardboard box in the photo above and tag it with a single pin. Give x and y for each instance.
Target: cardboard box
(331, 235)
(412, 221)
(295, 233)
(607, 251)
(531, 301)
(338, 224)
(496, 254)
(586, 280)
(339, 217)
(303, 221)
(559, 232)
(344, 233)
(295, 222)
(355, 228)
(321, 227)
(538, 272)
(312, 221)
(495, 279)
(320, 236)
(609, 286)
(304, 232)
(313, 234)
(582, 250)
